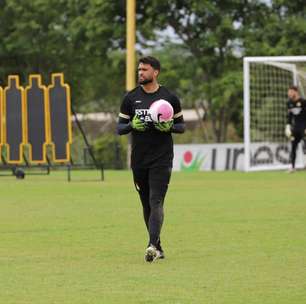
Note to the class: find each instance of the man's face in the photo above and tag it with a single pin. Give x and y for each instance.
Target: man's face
(293, 95)
(146, 73)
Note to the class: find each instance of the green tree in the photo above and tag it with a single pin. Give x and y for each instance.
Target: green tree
(275, 29)
(216, 35)
(209, 31)
(71, 36)
(85, 39)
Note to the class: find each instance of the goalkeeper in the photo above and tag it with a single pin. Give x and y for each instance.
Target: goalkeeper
(152, 147)
(296, 121)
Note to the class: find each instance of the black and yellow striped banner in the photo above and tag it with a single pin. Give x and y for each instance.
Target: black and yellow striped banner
(14, 118)
(60, 118)
(36, 127)
(36, 117)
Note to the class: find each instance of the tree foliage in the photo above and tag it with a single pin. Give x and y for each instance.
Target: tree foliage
(218, 33)
(85, 39)
(70, 36)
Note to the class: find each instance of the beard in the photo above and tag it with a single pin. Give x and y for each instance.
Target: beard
(145, 81)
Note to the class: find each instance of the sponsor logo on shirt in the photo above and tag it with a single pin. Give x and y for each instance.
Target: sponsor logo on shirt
(143, 114)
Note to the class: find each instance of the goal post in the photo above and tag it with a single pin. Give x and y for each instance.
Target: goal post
(266, 82)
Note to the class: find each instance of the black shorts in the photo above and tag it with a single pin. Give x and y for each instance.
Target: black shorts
(147, 177)
(298, 134)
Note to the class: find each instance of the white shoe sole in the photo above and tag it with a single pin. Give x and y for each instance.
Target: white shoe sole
(151, 255)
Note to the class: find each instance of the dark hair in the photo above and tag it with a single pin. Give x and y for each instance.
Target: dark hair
(152, 61)
(294, 88)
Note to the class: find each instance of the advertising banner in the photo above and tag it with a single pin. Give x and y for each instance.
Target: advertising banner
(221, 157)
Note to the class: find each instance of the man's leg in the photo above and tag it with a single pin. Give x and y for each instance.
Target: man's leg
(294, 144)
(141, 181)
(304, 141)
(158, 180)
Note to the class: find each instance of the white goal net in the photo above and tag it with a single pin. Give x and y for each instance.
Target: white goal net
(266, 82)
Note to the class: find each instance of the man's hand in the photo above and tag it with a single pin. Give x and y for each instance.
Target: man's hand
(137, 124)
(164, 126)
(288, 131)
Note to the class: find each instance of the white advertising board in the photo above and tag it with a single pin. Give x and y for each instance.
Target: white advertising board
(221, 157)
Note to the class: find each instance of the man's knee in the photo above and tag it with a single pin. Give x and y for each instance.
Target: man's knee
(157, 195)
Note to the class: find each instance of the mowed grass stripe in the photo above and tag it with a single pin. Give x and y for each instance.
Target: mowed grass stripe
(229, 237)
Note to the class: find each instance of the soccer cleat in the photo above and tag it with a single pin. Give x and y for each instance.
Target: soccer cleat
(160, 255)
(151, 254)
(160, 249)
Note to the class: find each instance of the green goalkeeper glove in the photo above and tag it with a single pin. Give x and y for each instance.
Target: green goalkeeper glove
(137, 124)
(288, 131)
(164, 126)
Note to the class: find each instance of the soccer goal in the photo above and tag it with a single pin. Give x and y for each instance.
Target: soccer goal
(266, 81)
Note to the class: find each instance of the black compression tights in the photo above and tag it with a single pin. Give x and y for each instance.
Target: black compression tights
(152, 185)
(297, 137)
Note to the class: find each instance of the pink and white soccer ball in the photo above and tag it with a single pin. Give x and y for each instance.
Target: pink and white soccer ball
(161, 110)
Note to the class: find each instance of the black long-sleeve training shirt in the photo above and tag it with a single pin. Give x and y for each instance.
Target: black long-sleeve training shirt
(150, 148)
(296, 116)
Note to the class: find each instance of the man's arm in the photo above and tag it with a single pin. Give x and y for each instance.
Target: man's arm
(174, 126)
(289, 114)
(288, 131)
(124, 125)
(178, 124)
(178, 119)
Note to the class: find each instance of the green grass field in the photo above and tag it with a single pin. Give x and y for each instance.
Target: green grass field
(229, 238)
